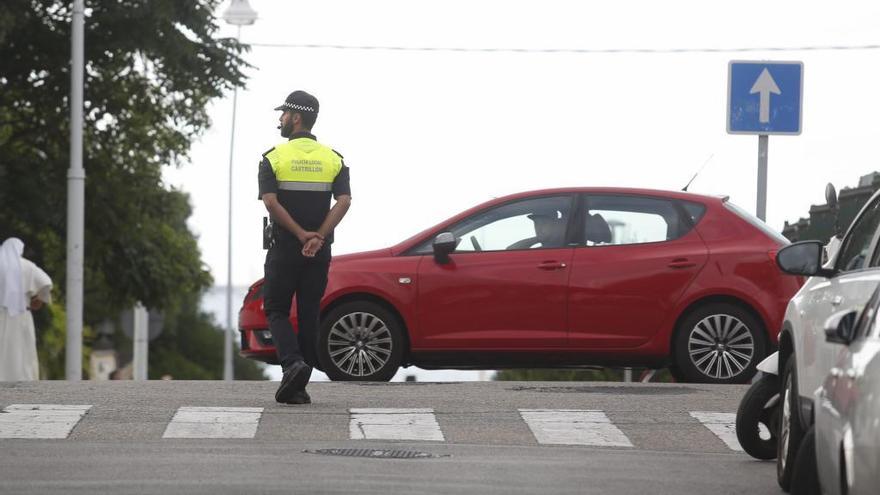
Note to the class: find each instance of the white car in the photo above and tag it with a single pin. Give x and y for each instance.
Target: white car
(847, 426)
(804, 356)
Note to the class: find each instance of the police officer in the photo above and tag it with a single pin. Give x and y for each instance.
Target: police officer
(297, 179)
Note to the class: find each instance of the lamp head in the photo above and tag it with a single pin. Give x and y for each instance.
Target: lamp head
(240, 13)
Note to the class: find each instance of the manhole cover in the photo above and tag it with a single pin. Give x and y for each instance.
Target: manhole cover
(376, 453)
(607, 390)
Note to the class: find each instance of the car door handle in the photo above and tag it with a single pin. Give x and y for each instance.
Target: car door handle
(837, 301)
(551, 265)
(679, 263)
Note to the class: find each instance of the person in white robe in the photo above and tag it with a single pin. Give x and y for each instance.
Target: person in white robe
(24, 287)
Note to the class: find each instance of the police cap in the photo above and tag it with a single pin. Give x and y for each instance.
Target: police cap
(299, 101)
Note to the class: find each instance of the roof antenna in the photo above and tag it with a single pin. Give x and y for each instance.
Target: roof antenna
(685, 188)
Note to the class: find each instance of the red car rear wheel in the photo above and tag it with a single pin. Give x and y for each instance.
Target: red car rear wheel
(718, 343)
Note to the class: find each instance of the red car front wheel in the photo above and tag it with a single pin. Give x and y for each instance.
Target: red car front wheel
(360, 341)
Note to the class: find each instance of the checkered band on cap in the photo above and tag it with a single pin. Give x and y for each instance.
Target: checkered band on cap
(301, 108)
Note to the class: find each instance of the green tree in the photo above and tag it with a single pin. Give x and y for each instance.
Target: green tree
(152, 66)
(190, 346)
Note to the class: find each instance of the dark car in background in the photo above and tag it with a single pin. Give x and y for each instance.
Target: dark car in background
(556, 278)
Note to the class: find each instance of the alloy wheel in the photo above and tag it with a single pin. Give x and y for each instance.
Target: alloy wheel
(721, 346)
(359, 344)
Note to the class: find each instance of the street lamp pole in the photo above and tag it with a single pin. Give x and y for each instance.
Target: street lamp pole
(238, 14)
(76, 177)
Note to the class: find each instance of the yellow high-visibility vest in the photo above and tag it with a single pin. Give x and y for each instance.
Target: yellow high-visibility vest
(304, 165)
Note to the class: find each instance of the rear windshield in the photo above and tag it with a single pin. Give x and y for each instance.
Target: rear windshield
(757, 223)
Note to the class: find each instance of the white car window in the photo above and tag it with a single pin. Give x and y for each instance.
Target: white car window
(867, 324)
(854, 252)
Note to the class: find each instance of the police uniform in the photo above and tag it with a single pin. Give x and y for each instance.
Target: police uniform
(304, 174)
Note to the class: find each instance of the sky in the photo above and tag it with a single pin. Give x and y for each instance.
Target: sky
(428, 134)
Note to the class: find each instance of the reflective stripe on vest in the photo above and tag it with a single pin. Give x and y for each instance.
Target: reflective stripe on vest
(304, 165)
(288, 185)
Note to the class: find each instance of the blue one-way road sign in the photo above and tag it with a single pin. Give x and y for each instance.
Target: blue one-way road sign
(764, 97)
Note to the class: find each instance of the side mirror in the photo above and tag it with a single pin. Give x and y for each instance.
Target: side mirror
(831, 201)
(840, 327)
(802, 258)
(831, 196)
(444, 244)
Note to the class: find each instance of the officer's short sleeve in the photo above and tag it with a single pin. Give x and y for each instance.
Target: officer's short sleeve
(341, 185)
(268, 182)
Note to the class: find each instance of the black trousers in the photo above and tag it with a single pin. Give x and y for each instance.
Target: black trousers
(288, 272)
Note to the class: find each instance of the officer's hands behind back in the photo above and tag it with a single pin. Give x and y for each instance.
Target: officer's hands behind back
(312, 246)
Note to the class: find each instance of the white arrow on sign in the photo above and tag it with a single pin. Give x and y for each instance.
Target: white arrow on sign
(765, 85)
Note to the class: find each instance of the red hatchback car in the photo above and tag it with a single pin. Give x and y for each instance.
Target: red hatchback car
(556, 278)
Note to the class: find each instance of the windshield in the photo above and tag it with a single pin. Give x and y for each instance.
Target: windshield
(757, 222)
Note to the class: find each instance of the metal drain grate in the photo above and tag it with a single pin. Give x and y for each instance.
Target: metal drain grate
(632, 390)
(376, 453)
(399, 384)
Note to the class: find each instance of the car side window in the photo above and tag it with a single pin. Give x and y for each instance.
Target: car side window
(866, 324)
(873, 330)
(854, 252)
(527, 224)
(617, 220)
(694, 210)
(533, 223)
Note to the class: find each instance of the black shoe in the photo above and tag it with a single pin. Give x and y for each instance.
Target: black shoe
(293, 380)
(299, 397)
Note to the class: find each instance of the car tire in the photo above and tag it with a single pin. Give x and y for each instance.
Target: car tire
(360, 341)
(805, 476)
(718, 343)
(676, 373)
(790, 430)
(754, 411)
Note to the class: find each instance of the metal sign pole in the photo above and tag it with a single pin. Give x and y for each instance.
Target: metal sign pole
(228, 369)
(238, 14)
(763, 143)
(76, 177)
(763, 98)
(140, 352)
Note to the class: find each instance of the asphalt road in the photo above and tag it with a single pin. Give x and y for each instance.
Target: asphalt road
(487, 443)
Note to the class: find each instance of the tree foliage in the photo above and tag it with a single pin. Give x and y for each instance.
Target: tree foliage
(152, 66)
(190, 346)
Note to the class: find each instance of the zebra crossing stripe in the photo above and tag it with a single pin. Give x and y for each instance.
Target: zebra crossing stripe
(723, 425)
(394, 424)
(573, 427)
(40, 420)
(548, 426)
(214, 422)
